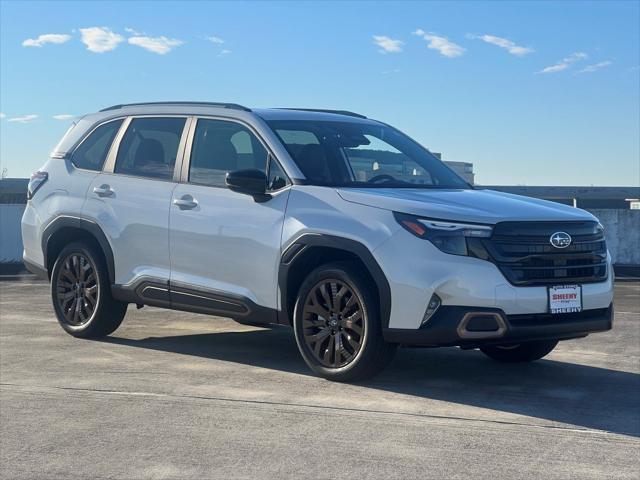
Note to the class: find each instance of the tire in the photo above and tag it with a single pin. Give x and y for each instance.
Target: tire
(523, 352)
(344, 345)
(81, 293)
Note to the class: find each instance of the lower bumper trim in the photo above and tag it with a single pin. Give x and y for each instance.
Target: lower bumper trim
(444, 328)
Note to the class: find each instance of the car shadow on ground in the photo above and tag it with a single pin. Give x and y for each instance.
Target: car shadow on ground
(580, 395)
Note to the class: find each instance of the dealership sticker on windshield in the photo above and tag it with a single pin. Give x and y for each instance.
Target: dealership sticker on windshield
(565, 299)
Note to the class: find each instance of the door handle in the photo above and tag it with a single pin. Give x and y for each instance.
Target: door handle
(103, 191)
(186, 202)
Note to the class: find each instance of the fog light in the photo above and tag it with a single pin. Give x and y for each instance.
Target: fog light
(434, 304)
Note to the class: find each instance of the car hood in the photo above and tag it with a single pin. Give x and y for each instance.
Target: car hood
(479, 206)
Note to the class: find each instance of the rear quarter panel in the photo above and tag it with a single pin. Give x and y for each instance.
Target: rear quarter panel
(63, 194)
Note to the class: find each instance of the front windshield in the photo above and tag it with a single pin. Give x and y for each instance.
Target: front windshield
(353, 154)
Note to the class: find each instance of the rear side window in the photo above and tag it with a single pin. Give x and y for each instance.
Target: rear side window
(92, 152)
(220, 147)
(149, 147)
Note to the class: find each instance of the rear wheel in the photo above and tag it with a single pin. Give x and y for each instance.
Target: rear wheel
(337, 324)
(521, 352)
(81, 293)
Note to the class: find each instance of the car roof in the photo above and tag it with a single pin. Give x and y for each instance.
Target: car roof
(229, 109)
(232, 110)
(310, 114)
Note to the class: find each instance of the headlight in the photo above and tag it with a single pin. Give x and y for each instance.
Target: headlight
(450, 237)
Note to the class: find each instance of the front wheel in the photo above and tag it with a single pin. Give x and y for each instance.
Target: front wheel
(81, 293)
(337, 324)
(521, 352)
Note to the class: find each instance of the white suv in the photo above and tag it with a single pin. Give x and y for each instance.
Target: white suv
(338, 225)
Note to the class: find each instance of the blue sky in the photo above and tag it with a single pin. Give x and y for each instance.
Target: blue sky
(535, 93)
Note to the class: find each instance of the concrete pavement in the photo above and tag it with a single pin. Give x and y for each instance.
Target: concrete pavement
(177, 395)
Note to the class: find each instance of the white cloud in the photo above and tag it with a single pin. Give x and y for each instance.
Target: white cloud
(216, 40)
(100, 39)
(505, 43)
(159, 45)
(133, 31)
(387, 45)
(23, 119)
(564, 63)
(46, 38)
(224, 51)
(441, 44)
(2, 115)
(63, 116)
(595, 66)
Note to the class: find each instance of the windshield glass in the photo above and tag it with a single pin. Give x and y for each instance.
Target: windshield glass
(351, 154)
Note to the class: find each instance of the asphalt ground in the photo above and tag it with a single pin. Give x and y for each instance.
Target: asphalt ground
(178, 395)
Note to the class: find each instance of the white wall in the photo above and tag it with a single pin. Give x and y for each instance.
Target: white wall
(622, 230)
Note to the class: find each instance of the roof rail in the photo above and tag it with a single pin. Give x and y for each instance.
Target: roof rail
(324, 110)
(233, 106)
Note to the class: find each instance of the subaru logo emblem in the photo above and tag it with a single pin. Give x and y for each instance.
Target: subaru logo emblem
(560, 239)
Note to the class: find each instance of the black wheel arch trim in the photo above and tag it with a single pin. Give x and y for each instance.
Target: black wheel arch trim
(310, 240)
(89, 226)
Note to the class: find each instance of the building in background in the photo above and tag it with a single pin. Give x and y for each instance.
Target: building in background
(622, 198)
(463, 169)
(13, 198)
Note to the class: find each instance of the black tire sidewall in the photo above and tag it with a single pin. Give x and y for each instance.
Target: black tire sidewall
(89, 328)
(360, 286)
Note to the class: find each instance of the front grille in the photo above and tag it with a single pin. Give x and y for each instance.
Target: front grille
(523, 253)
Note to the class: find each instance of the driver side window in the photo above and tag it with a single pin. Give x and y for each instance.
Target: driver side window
(220, 147)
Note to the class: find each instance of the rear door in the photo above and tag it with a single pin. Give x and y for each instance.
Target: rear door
(225, 246)
(130, 199)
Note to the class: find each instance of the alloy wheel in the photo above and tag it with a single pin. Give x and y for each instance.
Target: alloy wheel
(333, 323)
(77, 289)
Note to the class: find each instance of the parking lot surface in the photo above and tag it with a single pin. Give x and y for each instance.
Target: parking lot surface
(177, 395)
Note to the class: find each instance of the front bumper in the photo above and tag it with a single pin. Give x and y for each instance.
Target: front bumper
(472, 327)
(416, 270)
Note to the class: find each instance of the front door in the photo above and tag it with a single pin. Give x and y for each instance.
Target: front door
(225, 246)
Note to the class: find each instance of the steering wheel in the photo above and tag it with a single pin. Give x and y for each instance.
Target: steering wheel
(380, 177)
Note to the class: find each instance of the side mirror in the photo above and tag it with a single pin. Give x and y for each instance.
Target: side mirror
(250, 181)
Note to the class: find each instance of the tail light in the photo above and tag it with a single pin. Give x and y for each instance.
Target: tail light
(36, 180)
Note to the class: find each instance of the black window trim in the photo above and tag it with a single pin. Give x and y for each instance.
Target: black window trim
(186, 158)
(73, 151)
(271, 158)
